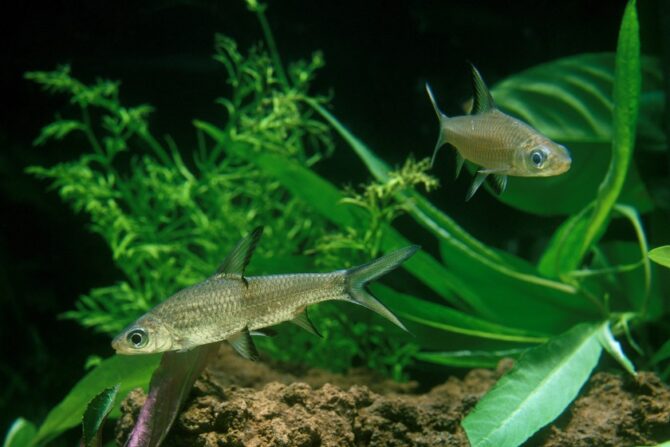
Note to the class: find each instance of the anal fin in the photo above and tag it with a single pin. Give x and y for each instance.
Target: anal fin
(302, 319)
(479, 179)
(244, 345)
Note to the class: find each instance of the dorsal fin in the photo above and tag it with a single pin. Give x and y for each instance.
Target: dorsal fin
(483, 101)
(236, 262)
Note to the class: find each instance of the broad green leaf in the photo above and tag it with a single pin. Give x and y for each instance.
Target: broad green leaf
(96, 413)
(661, 255)
(570, 100)
(613, 347)
(469, 359)
(20, 434)
(567, 249)
(542, 384)
(508, 300)
(449, 320)
(130, 371)
(170, 385)
(663, 444)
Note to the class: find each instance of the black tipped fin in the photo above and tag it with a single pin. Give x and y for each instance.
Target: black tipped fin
(244, 345)
(236, 262)
(479, 179)
(302, 319)
(483, 101)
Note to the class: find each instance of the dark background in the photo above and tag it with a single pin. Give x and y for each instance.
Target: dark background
(378, 56)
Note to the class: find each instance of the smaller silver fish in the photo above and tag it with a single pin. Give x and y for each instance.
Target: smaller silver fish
(230, 306)
(500, 144)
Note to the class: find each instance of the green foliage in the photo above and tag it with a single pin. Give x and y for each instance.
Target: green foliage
(95, 415)
(661, 255)
(543, 382)
(20, 434)
(128, 371)
(566, 251)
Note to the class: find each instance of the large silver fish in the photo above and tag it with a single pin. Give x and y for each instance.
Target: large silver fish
(229, 306)
(500, 144)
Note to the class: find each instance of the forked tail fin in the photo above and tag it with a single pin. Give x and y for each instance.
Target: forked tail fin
(358, 277)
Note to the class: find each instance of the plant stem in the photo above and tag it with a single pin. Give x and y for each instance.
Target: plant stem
(272, 47)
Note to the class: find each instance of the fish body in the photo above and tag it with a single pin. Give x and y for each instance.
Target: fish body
(500, 144)
(230, 306)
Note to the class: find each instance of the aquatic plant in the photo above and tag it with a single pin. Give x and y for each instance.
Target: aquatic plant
(479, 303)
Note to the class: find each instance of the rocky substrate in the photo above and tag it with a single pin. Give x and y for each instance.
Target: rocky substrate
(240, 403)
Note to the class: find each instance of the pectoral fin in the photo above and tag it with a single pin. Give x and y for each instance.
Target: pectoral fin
(236, 262)
(459, 163)
(479, 179)
(244, 345)
(499, 183)
(303, 320)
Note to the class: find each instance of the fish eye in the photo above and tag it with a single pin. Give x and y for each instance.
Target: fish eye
(138, 338)
(537, 157)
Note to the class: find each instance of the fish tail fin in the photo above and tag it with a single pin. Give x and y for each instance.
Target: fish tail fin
(442, 118)
(358, 277)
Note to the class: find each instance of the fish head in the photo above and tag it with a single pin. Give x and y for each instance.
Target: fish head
(544, 158)
(147, 335)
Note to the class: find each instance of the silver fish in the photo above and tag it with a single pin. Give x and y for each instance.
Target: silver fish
(230, 306)
(500, 144)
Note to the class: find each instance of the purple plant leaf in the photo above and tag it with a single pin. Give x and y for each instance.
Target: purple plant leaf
(170, 386)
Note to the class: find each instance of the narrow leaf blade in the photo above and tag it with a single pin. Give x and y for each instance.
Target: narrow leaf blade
(542, 384)
(626, 96)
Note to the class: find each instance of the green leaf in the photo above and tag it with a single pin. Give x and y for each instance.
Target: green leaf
(58, 130)
(449, 320)
(20, 434)
(469, 359)
(661, 255)
(569, 246)
(542, 384)
(96, 413)
(129, 371)
(613, 347)
(509, 299)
